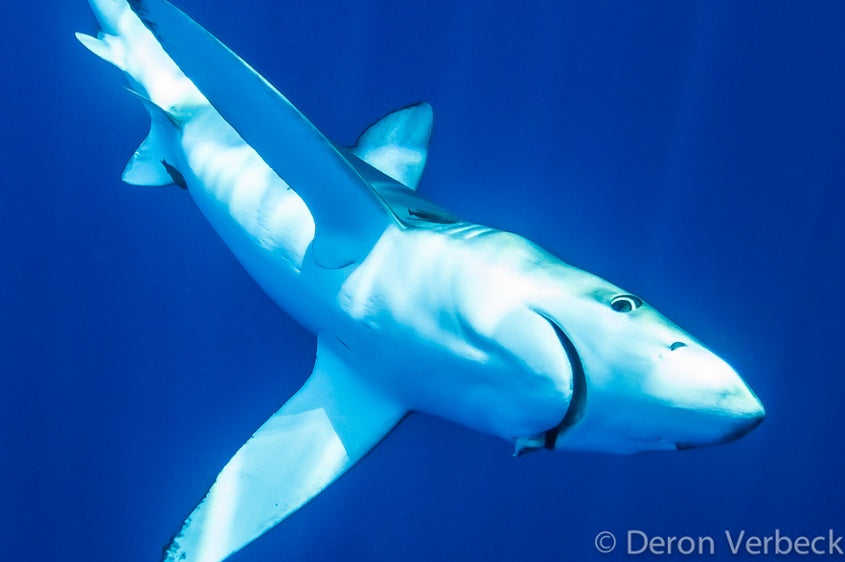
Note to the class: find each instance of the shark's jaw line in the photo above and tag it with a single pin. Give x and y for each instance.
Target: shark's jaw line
(578, 402)
(413, 308)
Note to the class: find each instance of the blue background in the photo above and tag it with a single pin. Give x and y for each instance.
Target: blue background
(693, 153)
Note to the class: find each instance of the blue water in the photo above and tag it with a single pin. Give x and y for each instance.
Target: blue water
(693, 153)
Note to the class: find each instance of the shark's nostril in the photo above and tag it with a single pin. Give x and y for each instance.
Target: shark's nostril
(676, 345)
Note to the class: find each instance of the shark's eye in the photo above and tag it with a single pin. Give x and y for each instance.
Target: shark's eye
(625, 303)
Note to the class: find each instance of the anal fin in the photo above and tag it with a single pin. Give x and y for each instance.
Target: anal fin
(149, 165)
(323, 430)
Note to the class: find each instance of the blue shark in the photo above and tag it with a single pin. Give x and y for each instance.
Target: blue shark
(414, 309)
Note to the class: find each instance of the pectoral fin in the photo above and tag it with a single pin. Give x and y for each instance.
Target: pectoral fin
(324, 429)
(349, 215)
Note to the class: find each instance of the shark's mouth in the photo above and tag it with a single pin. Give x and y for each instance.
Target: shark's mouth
(578, 402)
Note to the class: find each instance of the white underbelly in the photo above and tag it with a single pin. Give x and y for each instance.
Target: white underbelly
(395, 311)
(264, 223)
(407, 307)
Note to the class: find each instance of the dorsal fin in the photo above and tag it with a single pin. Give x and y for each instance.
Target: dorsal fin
(397, 144)
(349, 216)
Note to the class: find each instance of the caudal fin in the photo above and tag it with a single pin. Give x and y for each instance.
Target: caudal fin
(164, 90)
(109, 14)
(103, 48)
(125, 42)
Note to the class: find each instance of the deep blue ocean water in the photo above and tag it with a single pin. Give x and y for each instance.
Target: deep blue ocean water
(693, 153)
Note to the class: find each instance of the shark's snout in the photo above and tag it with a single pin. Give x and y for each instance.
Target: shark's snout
(745, 414)
(719, 405)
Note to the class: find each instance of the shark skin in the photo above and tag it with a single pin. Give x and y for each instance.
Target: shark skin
(414, 309)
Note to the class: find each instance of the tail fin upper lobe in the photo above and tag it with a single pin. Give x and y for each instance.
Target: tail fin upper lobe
(162, 87)
(128, 44)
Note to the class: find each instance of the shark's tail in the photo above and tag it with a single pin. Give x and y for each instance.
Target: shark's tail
(163, 88)
(125, 42)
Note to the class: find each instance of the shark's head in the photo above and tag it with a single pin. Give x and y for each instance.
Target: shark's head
(640, 382)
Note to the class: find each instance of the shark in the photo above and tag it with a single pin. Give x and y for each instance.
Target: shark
(413, 308)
